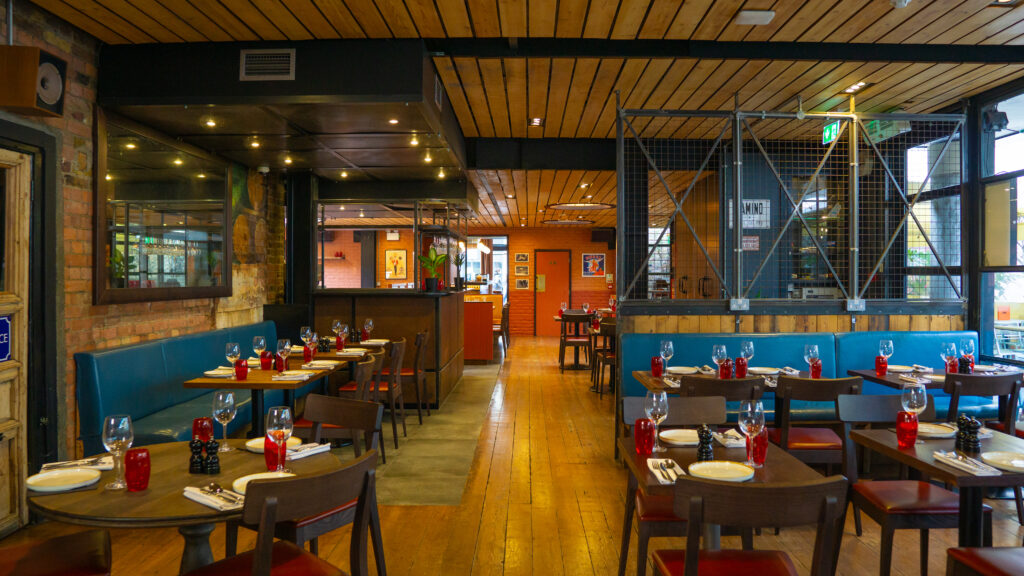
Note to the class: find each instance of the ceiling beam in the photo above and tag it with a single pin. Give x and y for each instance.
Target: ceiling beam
(808, 51)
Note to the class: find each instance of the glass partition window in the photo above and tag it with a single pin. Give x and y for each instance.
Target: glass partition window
(364, 245)
(1003, 143)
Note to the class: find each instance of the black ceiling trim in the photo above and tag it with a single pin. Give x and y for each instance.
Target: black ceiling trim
(811, 51)
(540, 153)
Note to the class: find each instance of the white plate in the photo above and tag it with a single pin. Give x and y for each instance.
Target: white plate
(63, 479)
(936, 377)
(256, 444)
(220, 373)
(763, 370)
(240, 484)
(1010, 461)
(681, 370)
(724, 470)
(984, 368)
(900, 368)
(926, 430)
(376, 342)
(679, 437)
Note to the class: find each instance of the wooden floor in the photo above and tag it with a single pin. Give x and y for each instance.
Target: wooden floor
(544, 497)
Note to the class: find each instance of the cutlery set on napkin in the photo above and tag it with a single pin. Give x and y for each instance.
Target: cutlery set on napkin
(965, 463)
(914, 379)
(790, 371)
(320, 365)
(304, 450)
(96, 462)
(223, 500)
(293, 375)
(730, 439)
(707, 370)
(665, 470)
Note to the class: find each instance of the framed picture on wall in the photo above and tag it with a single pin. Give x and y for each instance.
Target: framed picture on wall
(522, 283)
(522, 257)
(395, 264)
(522, 270)
(593, 265)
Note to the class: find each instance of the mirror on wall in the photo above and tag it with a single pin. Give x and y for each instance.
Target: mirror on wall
(161, 219)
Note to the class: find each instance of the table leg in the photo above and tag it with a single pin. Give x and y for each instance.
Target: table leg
(289, 400)
(256, 431)
(627, 522)
(971, 516)
(197, 547)
(712, 536)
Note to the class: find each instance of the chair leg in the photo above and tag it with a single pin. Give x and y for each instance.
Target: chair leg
(419, 403)
(924, 552)
(856, 522)
(600, 381)
(986, 531)
(394, 421)
(1020, 504)
(401, 407)
(627, 531)
(427, 400)
(230, 538)
(377, 541)
(314, 546)
(747, 538)
(885, 561)
(380, 444)
(561, 355)
(643, 535)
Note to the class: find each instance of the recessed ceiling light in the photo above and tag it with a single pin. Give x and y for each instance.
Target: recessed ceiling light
(341, 207)
(754, 17)
(210, 123)
(287, 159)
(178, 162)
(584, 185)
(130, 146)
(589, 196)
(108, 177)
(428, 159)
(536, 121)
(580, 206)
(540, 210)
(413, 141)
(201, 175)
(393, 121)
(254, 143)
(344, 174)
(510, 196)
(440, 173)
(856, 87)
(362, 214)
(523, 225)
(1003, 3)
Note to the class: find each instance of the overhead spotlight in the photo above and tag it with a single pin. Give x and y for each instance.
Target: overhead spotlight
(287, 159)
(108, 177)
(130, 146)
(362, 214)
(440, 173)
(483, 247)
(178, 162)
(413, 141)
(589, 196)
(254, 143)
(522, 225)
(344, 174)
(536, 121)
(341, 208)
(856, 87)
(210, 123)
(201, 175)
(393, 121)
(540, 210)
(899, 3)
(755, 17)
(510, 196)
(428, 159)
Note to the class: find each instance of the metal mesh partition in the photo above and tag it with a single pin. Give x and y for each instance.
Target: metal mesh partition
(819, 218)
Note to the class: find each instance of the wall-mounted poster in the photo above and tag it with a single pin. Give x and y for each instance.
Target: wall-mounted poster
(522, 270)
(522, 256)
(593, 265)
(395, 264)
(522, 283)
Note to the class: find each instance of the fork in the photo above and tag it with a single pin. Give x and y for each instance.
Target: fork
(76, 463)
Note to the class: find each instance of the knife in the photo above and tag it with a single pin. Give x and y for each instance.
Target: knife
(670, 473)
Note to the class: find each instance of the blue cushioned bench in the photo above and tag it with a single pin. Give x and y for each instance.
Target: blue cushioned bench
(839, 353)
(145, 381)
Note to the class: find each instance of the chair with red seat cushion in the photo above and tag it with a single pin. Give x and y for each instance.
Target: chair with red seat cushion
(811, 445)
(79, 554)
(985, 561)
(655, 515)
(606, 356)
(896, 504)
(331, 416)
(391, 386)
(418, 374)
(571, 335)
(1007, 388)
(269, 502)
(357, 389)
(747, 506)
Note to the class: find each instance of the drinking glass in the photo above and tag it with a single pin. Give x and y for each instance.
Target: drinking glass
(336, 327)
(117, 439)
(643, 436)
(232, 351)
(284, 348)
(259, 344)
(747, 349)
(368, 325)
(947, 352)
(136, 469)
(810, 353)
(751, 423)
(224, 412)
(666, 352)
(718, 354)
(279, 430)
(914, 398)
(967, 350)
(562, 308)
(586, 307)
(656, 407)
(304, 333)
(885, 348)
(611, 302)
(596, 323)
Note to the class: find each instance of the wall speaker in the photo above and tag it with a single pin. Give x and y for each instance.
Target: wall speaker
(34, 81)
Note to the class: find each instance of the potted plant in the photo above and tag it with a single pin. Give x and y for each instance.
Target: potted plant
(431, 263)
(458, 259)
(118, 266)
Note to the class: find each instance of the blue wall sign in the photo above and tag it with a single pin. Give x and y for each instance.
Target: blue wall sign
(5, 338)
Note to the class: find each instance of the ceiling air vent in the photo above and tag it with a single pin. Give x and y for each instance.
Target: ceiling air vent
(267, 65)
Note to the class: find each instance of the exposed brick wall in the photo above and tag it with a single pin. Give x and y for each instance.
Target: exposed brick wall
(592, 290)
(342, 273)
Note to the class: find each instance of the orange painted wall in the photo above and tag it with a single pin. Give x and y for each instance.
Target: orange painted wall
(405, 242)
(592, 290)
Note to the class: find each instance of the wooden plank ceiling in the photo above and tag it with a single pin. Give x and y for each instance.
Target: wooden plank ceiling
(575, 97)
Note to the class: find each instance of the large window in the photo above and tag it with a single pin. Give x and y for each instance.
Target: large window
(936, 243)
(659, 276)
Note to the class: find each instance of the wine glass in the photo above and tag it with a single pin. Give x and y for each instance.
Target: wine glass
(368, 326)
(563, 307)
(304, 334)
(232, 352)
(885, 348)
(914, 398)
(117, 439)
(224, 412)
(967, 347)
(747, 349)
(313, 339)
(284, 348)
(336, 327)
(656, 408)
(611, 301)
(279, 429)
(811, 354)
(718, 353)
(947, 352)
(586, 307)
(667, 351)
(751, 421)
(259, 344)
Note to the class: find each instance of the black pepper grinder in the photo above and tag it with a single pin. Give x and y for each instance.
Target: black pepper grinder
(196, 462)
(972, 443)
(211, 464)
(963, 365)
(961, 431)
(705, 450)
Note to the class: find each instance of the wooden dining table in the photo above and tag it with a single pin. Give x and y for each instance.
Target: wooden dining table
(920, 457)
(163, 504)
(892, 379)
(779, 467)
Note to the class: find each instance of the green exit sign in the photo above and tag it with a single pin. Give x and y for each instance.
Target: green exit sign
(830, 132)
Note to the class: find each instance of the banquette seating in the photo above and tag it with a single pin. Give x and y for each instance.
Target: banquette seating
(145, 381)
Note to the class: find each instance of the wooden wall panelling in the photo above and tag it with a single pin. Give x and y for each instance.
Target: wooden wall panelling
(659, 17)
(628, 77)
(541, 19)
(83, 21)
(579, 92)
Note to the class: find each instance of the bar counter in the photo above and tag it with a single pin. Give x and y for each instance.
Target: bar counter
(401, 314)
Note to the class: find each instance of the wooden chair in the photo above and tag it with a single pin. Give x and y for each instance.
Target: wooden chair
(984, 561)
(605, 357)
(734, 390)
(655, 517)
(356, 389)
(1007, 388)
(895, 504)
(82, 554)
(418, 375)
(330, 418)
(573, 338)
(268, 502)
(821, 502)
(500, 330)
(391, 385)
(813, 445)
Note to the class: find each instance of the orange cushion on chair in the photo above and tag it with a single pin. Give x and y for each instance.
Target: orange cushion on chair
(999, 426)
(808, 438)
(350, 387)
(655, 508)
(726, 563)
(403, 372)
(908, 497)
(287, 559)
(578, 339)
(303, 423)
(80, 554)
(990, 561)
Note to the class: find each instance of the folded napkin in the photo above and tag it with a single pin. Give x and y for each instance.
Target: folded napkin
(731, 439)
(914, 379)
(290, 377)
(671, 382)
(705, 369)
(96, 462)
(211, 500)
(674, 470)
(297, 347)
(375, 342)
(790, 371)
(975, 467)
(220, 372)
(320, 365)
(922, 369)
(303, 450)
(253, 361)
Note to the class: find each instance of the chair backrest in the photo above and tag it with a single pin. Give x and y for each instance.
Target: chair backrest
(735, 390)
(753, 505)
(355, 415)
(607, 328)
(504, 317)
(268, 502)
(1006, 386)
(421, 353)
(363, 375)
(681, 411)
(870, 409)
(395, 364)
(791, 388)
(378, 366)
